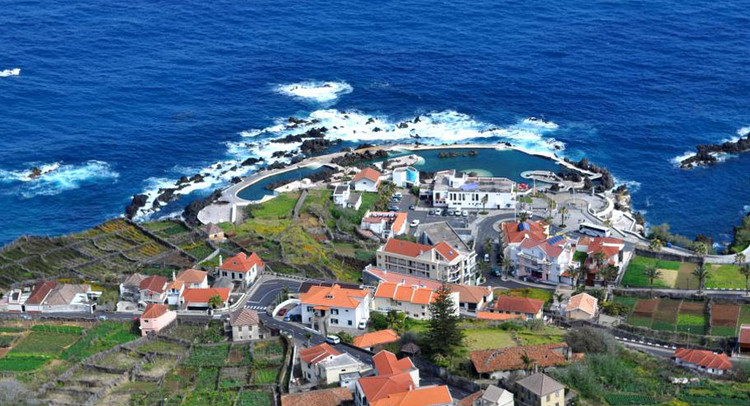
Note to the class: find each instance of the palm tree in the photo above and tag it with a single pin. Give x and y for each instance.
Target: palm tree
(745, 271)
(485, 199)
(655, 245)
(528, 363)
(563, 211)
(575, 273)
(652, 273)
(609, 273)
(599, 259)
(505, 263)
(559, 297)
(701, 273)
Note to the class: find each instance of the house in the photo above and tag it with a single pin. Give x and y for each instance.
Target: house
(440, 261)
(343, 197)
(499, 363)
(582, 307)
(540, 390)
(70, 298)
(393, 376)
(324, 364)
(492, 396)
(366, 180)
(413, 300)
(214, 232)
(33, 300)
(384, 224)
(425, 396)
(320, 397)
(335, 306)
(527, 307)
(369, 341)
(460, 191)
(600, 252)
(186, 279)
(153, 289)
(130, 288)
(703, 361)
(470, 298)
(242, 268)
(743, 338)
(17, 299)
(405, 176)
(198, 299)
(245, 325)
(546, 260)
(156, 317)
(442, 231)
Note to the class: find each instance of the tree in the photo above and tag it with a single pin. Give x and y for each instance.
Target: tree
(652, 273)
(397, 321)
(655, 245)
(575, 273)
(745, 271)
(599, 259)
(740, 259)
(563, 211)
(700, 249)
(485, 199)
(13, 392)
(559, 297)
(443, 333)
(528, 362)
(215, 301)
(524, 217)
(109, 298)
(591, 340)
(701, 273)
(609, 273)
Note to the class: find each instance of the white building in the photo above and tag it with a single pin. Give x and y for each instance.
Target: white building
(343, 197)
(702, 360)
(600, 252)
(323, 364)
(440, 261)
(242, 268)
(384, 224)
(245, 325)
(413, 300)
(186, 279)
(547, 260)
(366, 180)
(53, 297)
(405, 176)
(472, 192)
(334, 307)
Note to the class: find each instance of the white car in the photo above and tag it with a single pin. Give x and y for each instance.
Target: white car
(465, 213)
(333, 340)
(486, 257)
(414, 223)
(362, 324)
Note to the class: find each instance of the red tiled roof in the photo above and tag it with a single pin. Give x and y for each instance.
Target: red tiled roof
(242, 263)
(551, 249)
(375, 338)
(515, 232)
(608, 246)
(380, 386)
(405, 248)
(498, 316)
(367, 173)
(706, 359)
(204, 295)
(333, 296)
(154, 310)
(155, 284)
(41, 290)
(405, 293)
(191, 276)
(318, 353)
(469, 400)
(471, 294)
(424, 396)
(386, 363)
(744, 334)
(448, 252)
(509, 359)
(518, 304)
(320, 397)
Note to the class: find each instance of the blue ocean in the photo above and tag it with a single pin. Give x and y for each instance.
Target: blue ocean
(112, 99)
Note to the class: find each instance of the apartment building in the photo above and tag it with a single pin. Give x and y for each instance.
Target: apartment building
(440, 261)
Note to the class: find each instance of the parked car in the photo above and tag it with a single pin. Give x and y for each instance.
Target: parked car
(465, 213)
(281, 312)
(432, 212)
(439, 212)
(495, 271)
(333, 340)
(414, 223)
(397, 195)
(102, 317)
(411, 207)
(486, 257)
(393, 208)
(362, 324)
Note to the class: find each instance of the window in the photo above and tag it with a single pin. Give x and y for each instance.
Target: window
(350, 322)
(334, 311)
(309, 308)
(334, 321)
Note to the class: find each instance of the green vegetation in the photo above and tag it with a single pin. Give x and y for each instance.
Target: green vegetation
(102, 337)
(540, 294)
(725, 277)
(205, 356)
(279, 207)
(635, 275)
(741, 236)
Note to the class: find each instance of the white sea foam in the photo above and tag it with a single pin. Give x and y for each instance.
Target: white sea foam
(321, 92)
(743, 131)
(55, 178)
(10, 72)
(745, 209)
(354, 126)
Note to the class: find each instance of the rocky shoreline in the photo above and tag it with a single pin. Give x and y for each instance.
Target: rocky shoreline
(707, 154)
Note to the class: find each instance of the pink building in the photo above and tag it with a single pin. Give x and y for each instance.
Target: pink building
(156, 317)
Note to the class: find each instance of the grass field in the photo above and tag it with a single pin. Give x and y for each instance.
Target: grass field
(635, 277)
(488, 338)
(541, 294)
(725, 277)
(280, 206)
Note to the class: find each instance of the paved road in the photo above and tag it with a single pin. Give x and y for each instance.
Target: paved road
(269, 290)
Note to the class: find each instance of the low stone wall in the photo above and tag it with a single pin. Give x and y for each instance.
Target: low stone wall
(665, 256)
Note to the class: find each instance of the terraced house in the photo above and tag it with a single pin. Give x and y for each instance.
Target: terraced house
(413, 300)
(441, 261)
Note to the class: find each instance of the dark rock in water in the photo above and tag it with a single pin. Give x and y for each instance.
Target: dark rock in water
(364, 146)
(311, 133)
(376, 130)
(218, 166)
(278, 154)
(276, 165)
(297, 159)
(456, 154)
(415, 136)
(166, 195)
(370, 121)
(359, 158)
(132, 209)
(507, 144)
(35, 173)
(295, 120)
(251, 161)
(191, 211)
(197, 177)
(706, 154)
(316, 145)
(403, 125)
(416, 119)
(183, 179)
(236, 180)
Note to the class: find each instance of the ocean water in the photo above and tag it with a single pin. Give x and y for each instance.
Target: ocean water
(115, 99)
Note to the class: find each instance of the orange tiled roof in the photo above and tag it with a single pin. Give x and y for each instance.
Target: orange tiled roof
(333, 296)
(518, 304)
(509, 359)
(405, 293)
(498, 316)
(584, 302)
(191, 276)
(706, 359)
(386, 363)
(471, 294)
(424, 396)
(241, 263)
(154, 310)
(40, 291)
(318, 353)
(367, 173)
(375, 338)
(448, 252)
(203, 295)
(405, 248)
(469, 400)
(321, 397)
(381, 386)
(466, 293)
(154, 284)
(608, 246)
(515, 232)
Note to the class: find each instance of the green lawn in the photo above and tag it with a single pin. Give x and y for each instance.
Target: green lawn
(548, 335)
(639, 321)
(368, 200)
(541, 294)
(692, 323)
(635, 277)
(627, 301)
(488, 338)
(265, 376)
(102, 337)
(725, 277)
(279, 207)
(724, 331)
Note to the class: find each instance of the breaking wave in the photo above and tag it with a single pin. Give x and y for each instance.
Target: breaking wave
(321, 92)
(55, 178)
(10, 72)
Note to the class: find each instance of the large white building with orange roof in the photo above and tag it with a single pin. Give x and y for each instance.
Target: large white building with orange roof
(242, 267)
(534, 253)
(366, 180)
(335, 306)
(412, 299)
(440, 261)
(186, 279)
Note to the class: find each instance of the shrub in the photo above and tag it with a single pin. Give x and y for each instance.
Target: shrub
(591, 340)
(615, 309)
